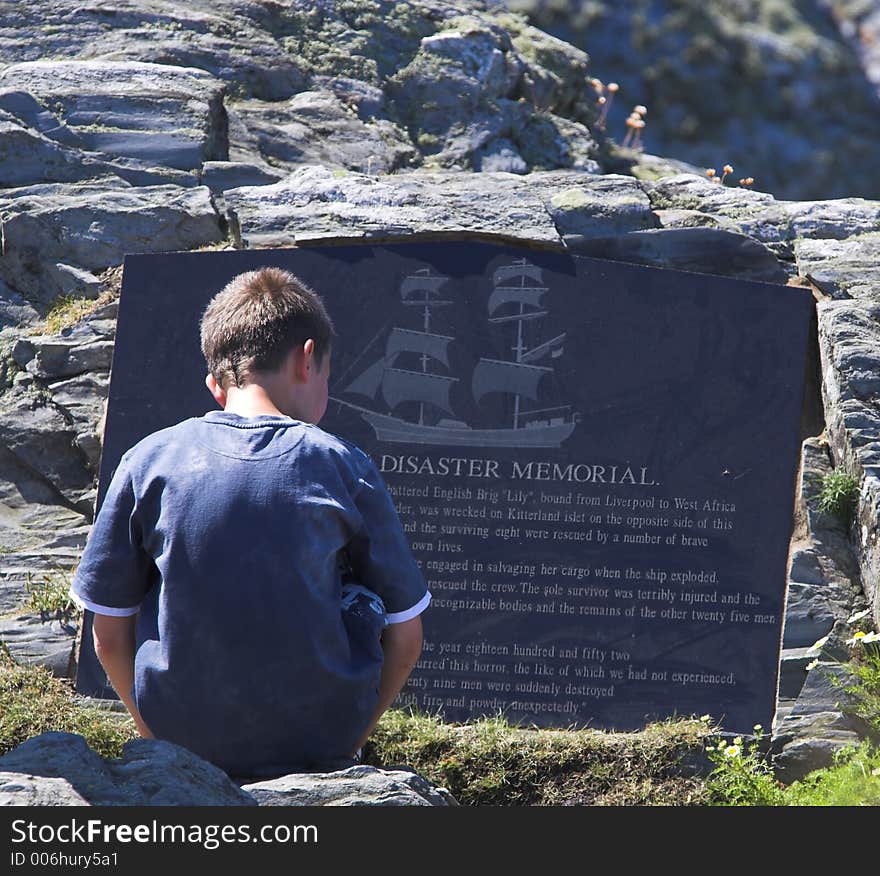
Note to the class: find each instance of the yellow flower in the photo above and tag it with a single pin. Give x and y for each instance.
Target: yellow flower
(731, 751)
(705, 718)
(757, 727)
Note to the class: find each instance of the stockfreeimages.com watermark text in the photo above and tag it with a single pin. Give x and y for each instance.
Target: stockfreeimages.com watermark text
(95, 831)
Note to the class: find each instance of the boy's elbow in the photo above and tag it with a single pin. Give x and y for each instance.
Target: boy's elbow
(405, 640)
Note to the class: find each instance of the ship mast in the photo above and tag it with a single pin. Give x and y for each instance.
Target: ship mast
(519, 346)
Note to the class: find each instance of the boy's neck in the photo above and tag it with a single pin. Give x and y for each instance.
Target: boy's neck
(254, 400)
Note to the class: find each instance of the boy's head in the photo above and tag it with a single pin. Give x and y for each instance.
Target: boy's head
(255, 322)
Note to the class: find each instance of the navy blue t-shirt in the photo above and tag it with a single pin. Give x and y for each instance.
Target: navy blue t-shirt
(225, 535)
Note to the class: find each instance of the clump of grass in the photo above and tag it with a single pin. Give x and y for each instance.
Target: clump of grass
(33, 701)
(839, 495)
(67, 311)
(51, 597)
(852, 780)
(489, 762)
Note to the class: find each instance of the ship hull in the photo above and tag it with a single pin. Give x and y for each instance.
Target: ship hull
(395, 430)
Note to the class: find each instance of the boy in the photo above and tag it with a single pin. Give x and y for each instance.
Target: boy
(217, 564)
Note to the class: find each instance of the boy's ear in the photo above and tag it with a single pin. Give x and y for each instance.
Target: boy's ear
(216, 390)
(303, 361)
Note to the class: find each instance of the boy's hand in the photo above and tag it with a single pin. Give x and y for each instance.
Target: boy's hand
(402, 646)
(115, 645)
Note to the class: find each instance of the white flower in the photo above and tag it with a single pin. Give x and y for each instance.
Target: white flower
(812, 665)
(822, 641)
(731, 751)
(858, 616)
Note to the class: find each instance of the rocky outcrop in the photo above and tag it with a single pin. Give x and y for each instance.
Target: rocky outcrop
(234, 123)
(59, 769)
(356, 786)
(783, 91)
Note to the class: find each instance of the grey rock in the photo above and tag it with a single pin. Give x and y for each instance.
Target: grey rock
(313, 202)
(499, 156)
(793, 670)
(808, 615)
(27, 157)
(601, 206)
(738, 83)
(221, 175)
(824, 689)
(15, 309)
(55, 357)
(93, 228)
(849, 336)
(240, 43)
(74, 281)
(842, 268)
(41, 439)
(17, 789)
(356, 786)
(161, 114)
(702, 250)
(149, 773)
(316, 127)
(761, 216)
(813, 745)
(38, 641)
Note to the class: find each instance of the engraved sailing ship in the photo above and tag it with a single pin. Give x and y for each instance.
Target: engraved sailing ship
(520, 285)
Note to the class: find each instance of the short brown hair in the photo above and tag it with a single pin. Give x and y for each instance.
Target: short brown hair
(256, 320)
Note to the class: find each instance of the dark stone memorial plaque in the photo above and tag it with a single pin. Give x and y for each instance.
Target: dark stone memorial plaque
(595, 463)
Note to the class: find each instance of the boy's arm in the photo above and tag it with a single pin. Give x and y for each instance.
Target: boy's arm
(114, 639)
(402, 645)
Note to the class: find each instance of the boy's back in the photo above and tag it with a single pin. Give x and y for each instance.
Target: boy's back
(227, 536)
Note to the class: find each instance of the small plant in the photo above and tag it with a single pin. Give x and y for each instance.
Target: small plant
(839, 495)
(51, 597)
(726, 171)
(636, 124)
(742, 776)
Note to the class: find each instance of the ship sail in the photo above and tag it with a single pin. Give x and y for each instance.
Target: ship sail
(369, 381)
(502, 295)
(516, 271)
(496, 375)
(552, 348)
(406, 341)
(422, 286)
(400, 385)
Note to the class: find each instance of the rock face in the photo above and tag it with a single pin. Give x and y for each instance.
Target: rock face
(59, 769)
(355, 786)
(734, 82)
(145, 127)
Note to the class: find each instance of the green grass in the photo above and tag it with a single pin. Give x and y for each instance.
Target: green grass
(67, 311)
(853, 780)
(489, 762)
(839, 495)
(51, 598)
(33, 701)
